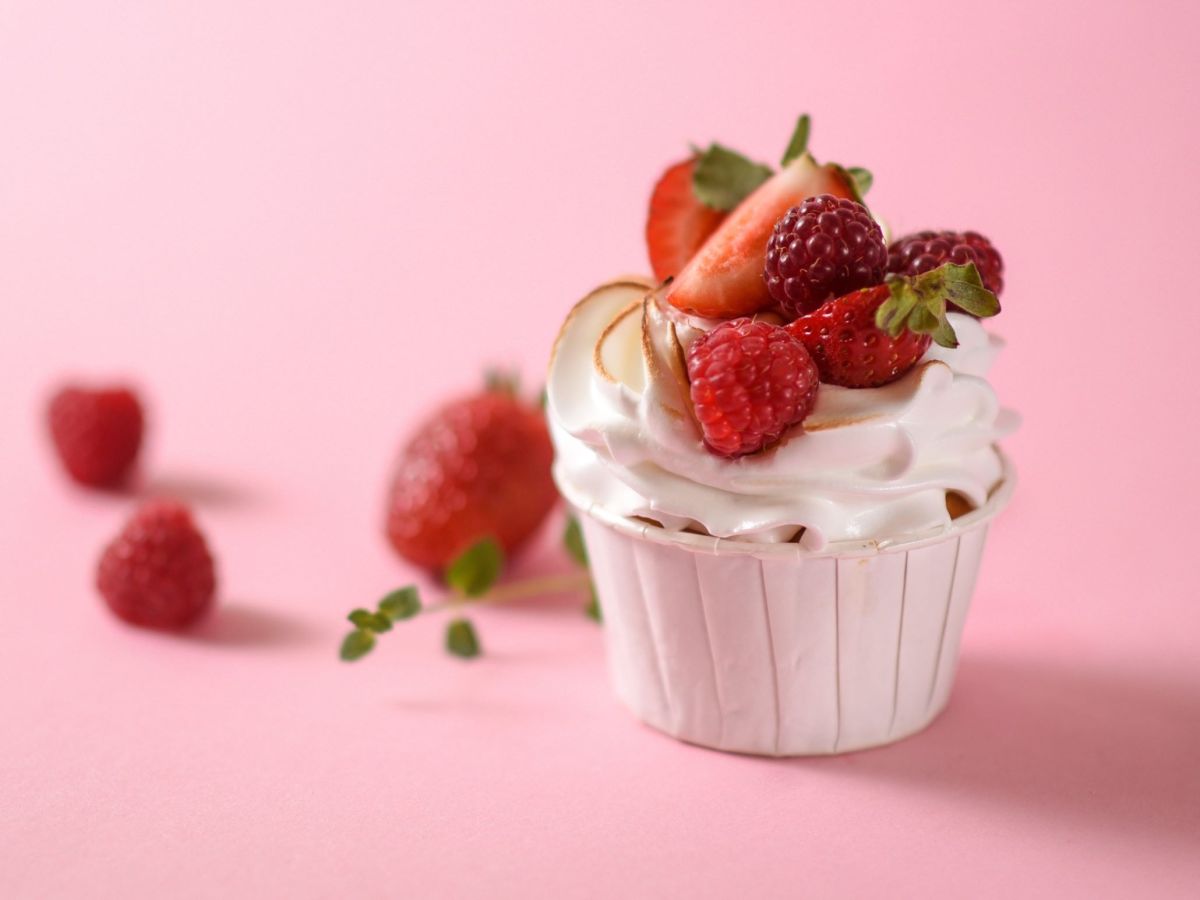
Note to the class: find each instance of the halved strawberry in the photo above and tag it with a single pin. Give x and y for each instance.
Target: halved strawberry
(724, 279)
(678, 223)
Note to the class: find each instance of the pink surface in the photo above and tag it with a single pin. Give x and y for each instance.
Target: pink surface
(297, 226)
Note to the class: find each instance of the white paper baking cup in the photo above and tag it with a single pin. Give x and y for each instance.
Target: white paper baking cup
(774, 650)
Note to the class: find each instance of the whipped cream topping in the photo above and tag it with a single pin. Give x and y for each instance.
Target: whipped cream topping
(867, 464)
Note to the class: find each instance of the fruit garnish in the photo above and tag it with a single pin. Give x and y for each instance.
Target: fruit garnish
(750, 382)
(927, 250)
(158, 572)
(825, 247)
(97, 433)
(478, 466)
(678, 223)
(724, 278)
(872, 336)
(471, 579)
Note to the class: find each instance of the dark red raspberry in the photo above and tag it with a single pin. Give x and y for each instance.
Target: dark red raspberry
(158, 572)
(927, 250)
(825, 247)
(751, 381)
(97, 433)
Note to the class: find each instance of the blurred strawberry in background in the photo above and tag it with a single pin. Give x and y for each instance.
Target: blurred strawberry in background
(477, 467)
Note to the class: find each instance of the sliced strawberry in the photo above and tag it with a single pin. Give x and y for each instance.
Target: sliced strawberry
(678, 223)
(724, 279)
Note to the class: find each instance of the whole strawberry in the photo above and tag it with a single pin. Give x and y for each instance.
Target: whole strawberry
(824, 247)
(927, 250)
(479, 466)
(158, 572)
(872, 336)
(750, 382)
(97, 433)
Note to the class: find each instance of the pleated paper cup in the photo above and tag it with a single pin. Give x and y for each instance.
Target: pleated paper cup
(770, 649)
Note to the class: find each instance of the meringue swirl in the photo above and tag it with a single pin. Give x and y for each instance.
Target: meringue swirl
(868, 464)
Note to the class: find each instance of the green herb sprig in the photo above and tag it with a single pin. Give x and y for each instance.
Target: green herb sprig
(471, 579)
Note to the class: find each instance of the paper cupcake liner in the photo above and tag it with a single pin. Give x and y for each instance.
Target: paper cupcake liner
(769, 649)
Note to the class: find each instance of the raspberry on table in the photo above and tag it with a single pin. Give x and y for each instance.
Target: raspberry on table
(926, 250)
(158, 572)
(825, 247)
(97, 433)
(750, 382)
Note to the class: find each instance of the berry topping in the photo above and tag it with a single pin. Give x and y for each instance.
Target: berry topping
(678, 223)
(874, 335)
(158, 572)
(822, 248)
(97, 433)
(724, 278)
(927, 250)
(750, 382)
(478, 467)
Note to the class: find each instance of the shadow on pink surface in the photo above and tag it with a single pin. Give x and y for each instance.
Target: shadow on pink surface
(1104, 748)
(252, 627)
(197, 489)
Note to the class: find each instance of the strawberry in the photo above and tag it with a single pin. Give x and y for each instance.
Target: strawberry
(724, 279)
(872, 336)
(158, 572)
(678, 223)
(97, 433)
(478, 467)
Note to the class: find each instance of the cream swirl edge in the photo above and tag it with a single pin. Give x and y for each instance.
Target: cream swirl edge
(870, 464)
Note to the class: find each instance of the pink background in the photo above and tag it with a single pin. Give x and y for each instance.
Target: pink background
(297, 226)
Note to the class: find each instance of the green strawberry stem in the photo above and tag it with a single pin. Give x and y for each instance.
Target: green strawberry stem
(919, 302)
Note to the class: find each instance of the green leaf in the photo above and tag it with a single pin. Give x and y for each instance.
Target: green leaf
(852, 185)
(893, 313)
(477, 569)
(573, 541)
(944, 335)
(503, 381)
(356, 645)
(798, 145)
(723, 177)
(863, 179)
(461, 639)
(380, 623)
(592, 610)
(403, 603)
(361, 617)
(922, 321)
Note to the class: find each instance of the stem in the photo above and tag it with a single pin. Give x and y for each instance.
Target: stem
(518, 590)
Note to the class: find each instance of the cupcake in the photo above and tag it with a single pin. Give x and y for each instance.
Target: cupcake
(782, 450)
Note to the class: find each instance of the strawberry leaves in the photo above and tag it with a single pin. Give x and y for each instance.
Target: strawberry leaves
(798, 145)
(919, 303)
(723, 177)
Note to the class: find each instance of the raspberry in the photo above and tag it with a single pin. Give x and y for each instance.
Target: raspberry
(479, 466)
(927, 250)
(97, 433)
(158, 572)
(822, 248)
(751, 381)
